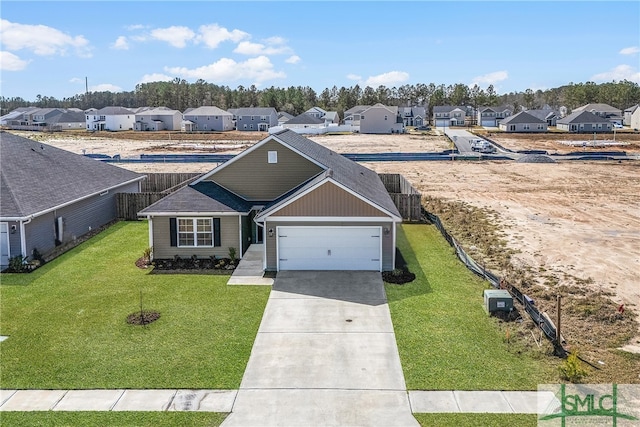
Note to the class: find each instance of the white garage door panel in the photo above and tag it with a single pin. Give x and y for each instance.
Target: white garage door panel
(329, 248)
(488, 123)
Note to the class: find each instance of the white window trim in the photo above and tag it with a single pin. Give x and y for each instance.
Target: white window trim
(195, 232)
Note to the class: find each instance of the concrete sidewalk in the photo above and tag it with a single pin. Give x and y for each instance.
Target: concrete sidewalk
(445, 401)
(250, 270)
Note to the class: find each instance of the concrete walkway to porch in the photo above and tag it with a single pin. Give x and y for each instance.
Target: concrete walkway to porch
(250, 270)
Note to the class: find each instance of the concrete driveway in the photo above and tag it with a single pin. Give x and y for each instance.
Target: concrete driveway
(325, 355)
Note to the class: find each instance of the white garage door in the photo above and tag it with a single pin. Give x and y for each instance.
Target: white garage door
(329, 248)
(442, 122)
(488, 123)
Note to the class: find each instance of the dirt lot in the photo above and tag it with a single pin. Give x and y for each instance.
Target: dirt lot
(569, 223)
(558, 143)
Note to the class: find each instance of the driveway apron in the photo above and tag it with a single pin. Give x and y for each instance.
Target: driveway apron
(325, 355)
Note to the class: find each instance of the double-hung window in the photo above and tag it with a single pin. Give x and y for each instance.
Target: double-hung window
(195, 232)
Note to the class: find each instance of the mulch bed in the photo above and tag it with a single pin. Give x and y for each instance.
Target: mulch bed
(143, 317)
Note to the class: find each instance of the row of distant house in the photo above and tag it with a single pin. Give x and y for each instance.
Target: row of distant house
(377, 119)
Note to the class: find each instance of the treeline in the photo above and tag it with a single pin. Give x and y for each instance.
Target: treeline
(180, 95)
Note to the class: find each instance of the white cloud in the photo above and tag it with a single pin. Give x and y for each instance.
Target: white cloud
(257, 70)
(621, 72)
(135, 27)
(354, 77)
(155, 77)
(632, 50)
(105, 87)
(293, 59)
(250, 48)
(176, 36)
(11, 62)
(212, 35)
(490, 78)
(121, 43)
(41, 40)
(391, 78)
(76, 80)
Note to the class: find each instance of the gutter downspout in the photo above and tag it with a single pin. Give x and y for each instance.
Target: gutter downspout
(23, 237)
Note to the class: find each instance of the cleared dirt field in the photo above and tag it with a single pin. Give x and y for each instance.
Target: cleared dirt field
(557, 143)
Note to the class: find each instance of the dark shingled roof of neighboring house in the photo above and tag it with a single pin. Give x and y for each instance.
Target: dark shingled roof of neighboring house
(582, 117)
(37, 177)
(522, 117)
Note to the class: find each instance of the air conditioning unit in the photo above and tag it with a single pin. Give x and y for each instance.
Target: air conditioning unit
(497, 300)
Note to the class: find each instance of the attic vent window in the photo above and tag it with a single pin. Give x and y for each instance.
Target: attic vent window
(273, 157)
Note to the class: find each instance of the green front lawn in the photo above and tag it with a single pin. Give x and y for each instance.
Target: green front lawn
(477, 420)
(112, 419)
(445, 338)
(67, 327)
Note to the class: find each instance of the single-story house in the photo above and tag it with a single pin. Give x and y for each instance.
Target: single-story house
(634, 122)
(51, 196)
(606, 111)
(207, 118)
(309, 207)
(381, 118)
(546, 114)
(304, 121)
(584, 121)
(523, 122)
(283, 117)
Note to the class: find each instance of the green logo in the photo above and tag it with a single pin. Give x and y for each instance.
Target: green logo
(589, 403)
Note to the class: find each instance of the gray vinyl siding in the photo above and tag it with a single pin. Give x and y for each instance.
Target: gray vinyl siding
(520, 127)
(251, 122)
(219, 123)
(40, 234)
(14, 240)
(585, 127)
(374, 121)
(329, 200)
(387, 239)
(229, 237)
(253, 178)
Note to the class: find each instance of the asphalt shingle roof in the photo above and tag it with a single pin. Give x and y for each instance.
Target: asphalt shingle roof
(205, 196)
(522, 117)
(582, 117)
(36, 177)
(207, 111)
(305, 119)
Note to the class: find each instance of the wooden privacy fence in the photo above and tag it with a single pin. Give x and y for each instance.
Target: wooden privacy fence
(161, 182)
(157, 185)
(129, 204)
(407, 199)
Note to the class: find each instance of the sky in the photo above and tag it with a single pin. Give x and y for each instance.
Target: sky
(49, 48)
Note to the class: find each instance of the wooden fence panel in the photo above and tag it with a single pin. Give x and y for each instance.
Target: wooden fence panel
(158, 182)
(129, 204)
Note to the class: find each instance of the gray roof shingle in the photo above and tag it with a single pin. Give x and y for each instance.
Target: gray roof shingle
(522, 117)
(205, 196)
(582, 117)
(37, 177)
(305, 119)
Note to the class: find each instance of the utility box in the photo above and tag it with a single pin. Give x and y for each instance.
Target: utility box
(497, 300)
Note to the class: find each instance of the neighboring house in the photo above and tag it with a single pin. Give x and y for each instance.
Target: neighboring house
(310, 208)
(634, 122)
(628, 113)
(283, 117)
(316, 112)
(331, 118)
(449, 115)
(156, 119)
(255, 119)
(413, 116)
(35, 119)
(207, 118)
(16, 116)
(304, 121)
(546, 114)
(353, 114)
(381, 119)
(111, 119)
(67, 120)
(584, 121)
(51, 196)
(491, 116)
(606, 111)
(523, 122)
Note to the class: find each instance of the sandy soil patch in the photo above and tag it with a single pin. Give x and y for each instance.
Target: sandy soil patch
(572, 220)
(553, 143)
